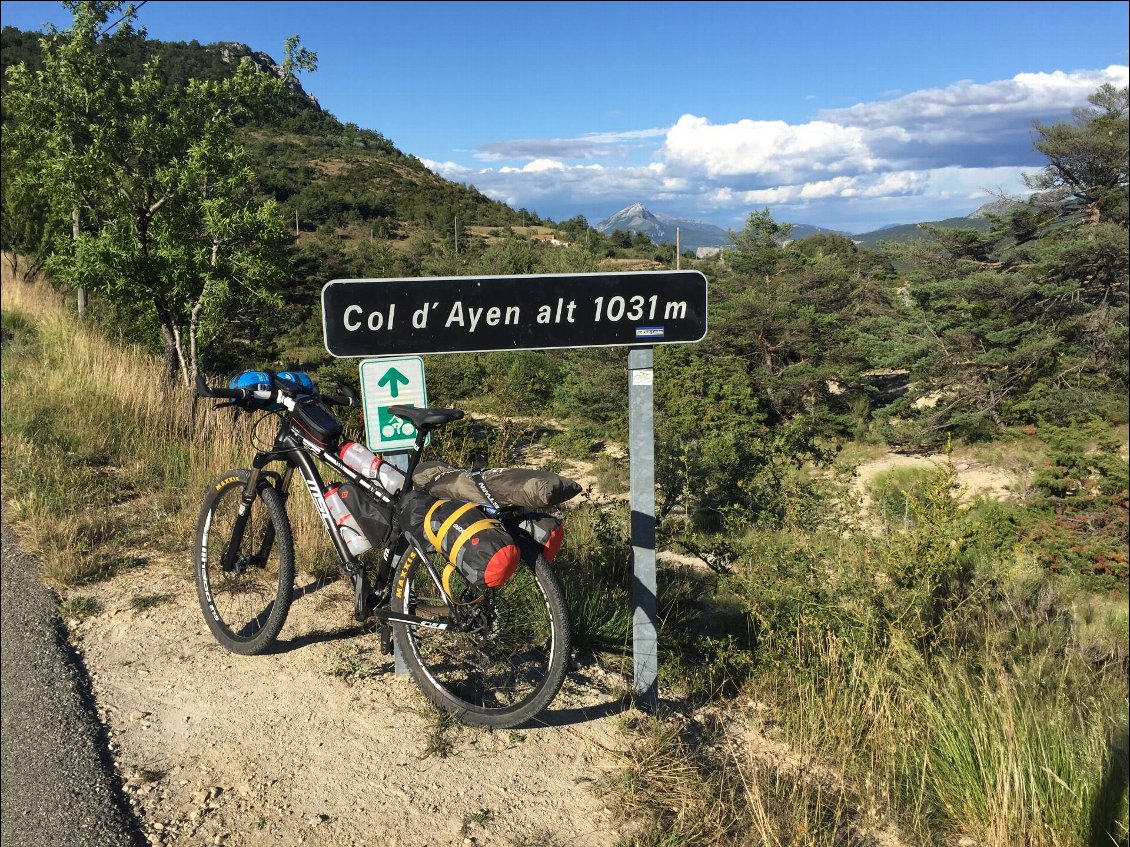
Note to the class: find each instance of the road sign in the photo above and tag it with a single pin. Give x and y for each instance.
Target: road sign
(463, 314)
(391, 382)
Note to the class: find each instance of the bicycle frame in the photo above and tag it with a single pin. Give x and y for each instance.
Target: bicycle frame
(298, 452)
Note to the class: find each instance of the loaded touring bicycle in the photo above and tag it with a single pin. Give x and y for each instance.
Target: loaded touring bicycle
(462, 579)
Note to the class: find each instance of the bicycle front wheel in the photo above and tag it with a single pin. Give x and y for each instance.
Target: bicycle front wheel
(507, 664)
(246, 603)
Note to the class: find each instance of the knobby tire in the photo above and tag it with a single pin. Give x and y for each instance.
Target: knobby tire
(505, 670)
(246, 607)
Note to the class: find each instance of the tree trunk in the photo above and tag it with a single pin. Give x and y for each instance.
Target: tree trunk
(83, 298)
(172, 355)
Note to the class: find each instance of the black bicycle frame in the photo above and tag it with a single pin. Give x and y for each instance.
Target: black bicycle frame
(297, 453)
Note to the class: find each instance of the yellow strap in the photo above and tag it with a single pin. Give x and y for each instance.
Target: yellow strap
(447, 572)
(432, 537)
(477, 526)
(427, 521)
(435, 537)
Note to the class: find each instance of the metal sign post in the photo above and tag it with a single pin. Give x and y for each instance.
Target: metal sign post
(641, 448)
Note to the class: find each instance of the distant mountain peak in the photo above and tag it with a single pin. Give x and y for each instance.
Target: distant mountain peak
(628, 217)
(663, 229)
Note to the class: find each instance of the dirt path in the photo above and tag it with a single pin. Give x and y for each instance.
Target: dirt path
(320, 743)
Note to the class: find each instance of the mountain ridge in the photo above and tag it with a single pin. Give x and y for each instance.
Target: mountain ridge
(661, 228)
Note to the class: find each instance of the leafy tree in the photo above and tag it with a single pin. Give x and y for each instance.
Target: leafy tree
(760, 232)
(169, 217)
(54, 120)
(27, 228)
(1028, 322)
(1088, 158)
(759, 245)
(716, 446)
(574, 228)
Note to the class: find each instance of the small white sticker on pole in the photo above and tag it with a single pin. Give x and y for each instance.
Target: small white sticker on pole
(643, 376)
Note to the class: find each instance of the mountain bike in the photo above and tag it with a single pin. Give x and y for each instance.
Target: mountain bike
(494, 657)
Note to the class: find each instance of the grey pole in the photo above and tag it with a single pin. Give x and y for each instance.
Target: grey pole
(400, 461)
(641, 448)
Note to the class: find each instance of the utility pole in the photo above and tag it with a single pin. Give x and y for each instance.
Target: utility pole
(678, 249)
(456, 235)
(296, 223)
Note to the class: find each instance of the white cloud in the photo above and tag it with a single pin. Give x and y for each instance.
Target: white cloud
(591, 146)
(771, 149)
(952, 147)
(541, 165)
(448, 170)
(1025, 95)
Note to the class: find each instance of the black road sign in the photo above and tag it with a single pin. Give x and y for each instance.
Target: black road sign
(464, 314)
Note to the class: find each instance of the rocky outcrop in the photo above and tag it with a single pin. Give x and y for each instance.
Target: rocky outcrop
(232, 53)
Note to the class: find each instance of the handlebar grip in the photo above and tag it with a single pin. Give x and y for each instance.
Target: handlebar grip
(340, 399)
(204, 390)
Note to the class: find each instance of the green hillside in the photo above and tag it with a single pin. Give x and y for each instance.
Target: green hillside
(903, 233)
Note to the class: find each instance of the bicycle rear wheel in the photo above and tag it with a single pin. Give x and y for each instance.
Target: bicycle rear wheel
(509, 663)
(246, 605)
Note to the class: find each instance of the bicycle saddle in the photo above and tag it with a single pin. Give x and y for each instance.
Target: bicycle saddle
(426, 418)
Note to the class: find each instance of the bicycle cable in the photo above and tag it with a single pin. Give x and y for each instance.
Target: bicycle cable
(261, 446)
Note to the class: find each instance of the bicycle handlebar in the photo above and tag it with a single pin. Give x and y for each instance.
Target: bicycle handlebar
(237, 394)
(243, 395)
(348, 398)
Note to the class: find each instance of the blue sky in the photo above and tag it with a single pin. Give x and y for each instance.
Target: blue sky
(844, 115)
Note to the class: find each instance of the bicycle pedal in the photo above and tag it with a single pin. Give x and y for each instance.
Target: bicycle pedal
(386, 639)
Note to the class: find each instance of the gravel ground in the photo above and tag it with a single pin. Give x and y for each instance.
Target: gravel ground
(59, 783)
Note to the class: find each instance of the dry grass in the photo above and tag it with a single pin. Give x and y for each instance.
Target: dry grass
(707, 781)
(105, 458)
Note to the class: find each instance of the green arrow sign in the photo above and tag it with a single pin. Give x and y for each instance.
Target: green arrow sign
(389, 382)
(393, 379)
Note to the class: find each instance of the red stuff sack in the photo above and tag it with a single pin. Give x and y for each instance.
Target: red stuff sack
(546, 531)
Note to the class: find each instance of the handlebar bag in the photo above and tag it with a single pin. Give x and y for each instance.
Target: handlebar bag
(314, 421)
(479, 547)
(295, 381)
(523, 487)
(374, 517)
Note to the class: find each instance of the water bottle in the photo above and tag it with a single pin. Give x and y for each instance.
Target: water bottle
(371, 466)
(350, 530)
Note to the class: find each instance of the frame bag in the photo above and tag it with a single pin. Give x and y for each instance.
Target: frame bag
(374, 518)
